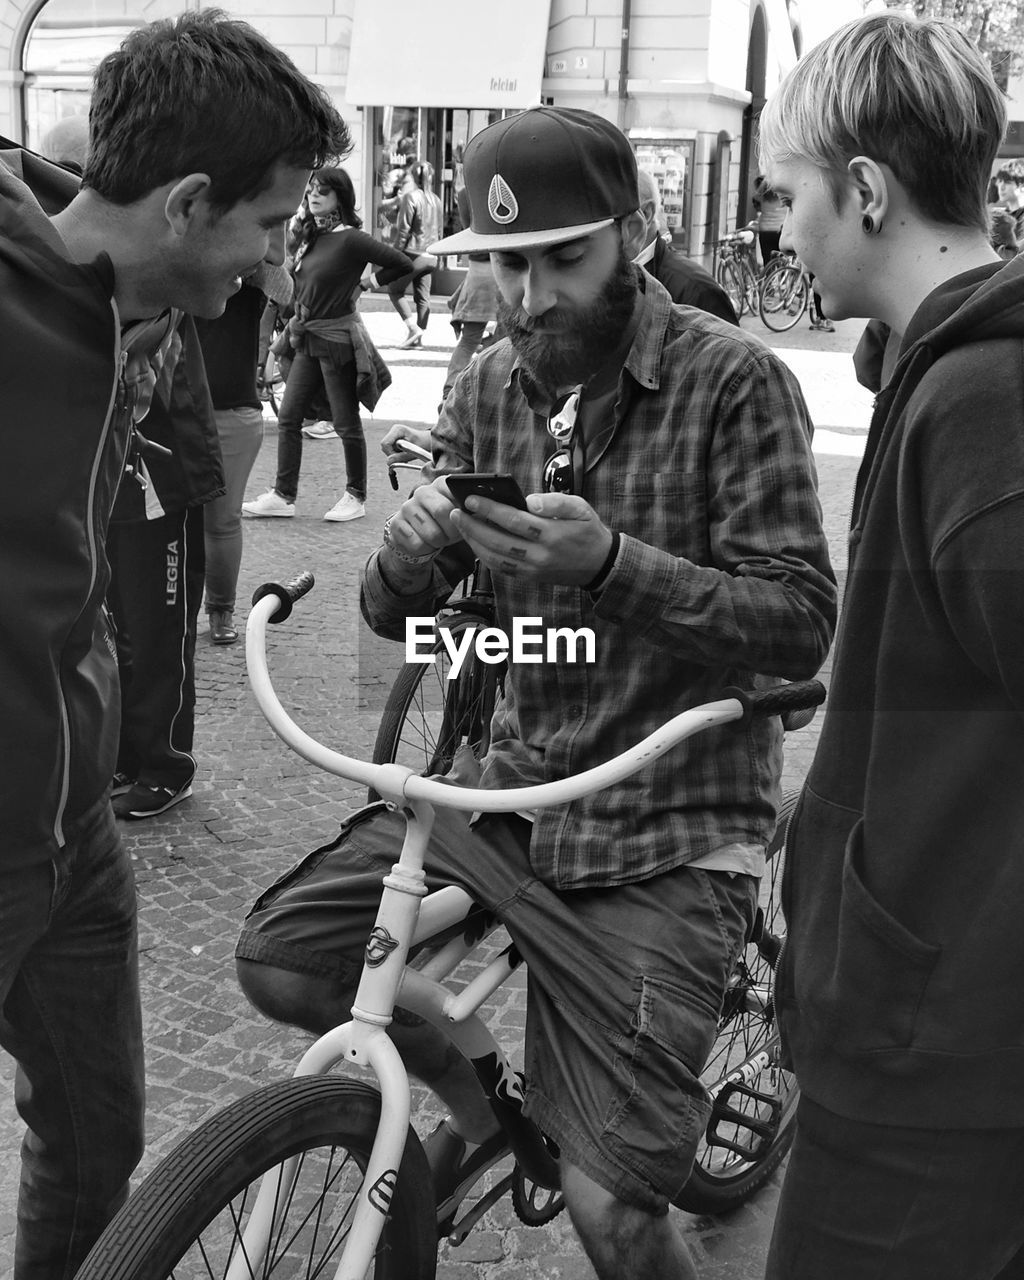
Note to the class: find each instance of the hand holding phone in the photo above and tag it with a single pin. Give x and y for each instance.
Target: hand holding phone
(499, 488)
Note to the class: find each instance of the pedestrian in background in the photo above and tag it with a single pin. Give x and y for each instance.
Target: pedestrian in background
(770, 217)
(1009, 180)
(331, 347)
(417, 225)
(157, 563)
(231, 351)
(475, 309)
(1007, 214)
(898, 990)
(687, 282)
(202, 135)
(67, 143)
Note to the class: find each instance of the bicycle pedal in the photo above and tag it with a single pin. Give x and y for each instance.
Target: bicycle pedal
(769, 945)
(456, 1232)
(762, 1128)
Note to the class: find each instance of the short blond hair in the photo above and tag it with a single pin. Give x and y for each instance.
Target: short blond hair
(914, 94)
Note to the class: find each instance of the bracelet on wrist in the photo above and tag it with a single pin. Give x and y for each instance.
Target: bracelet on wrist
(599, 578)
(404, 556)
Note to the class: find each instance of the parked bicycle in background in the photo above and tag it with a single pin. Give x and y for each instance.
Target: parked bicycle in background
(785, 292)
(735, 269)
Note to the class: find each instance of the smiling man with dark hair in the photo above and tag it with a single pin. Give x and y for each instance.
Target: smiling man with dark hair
(202, 139)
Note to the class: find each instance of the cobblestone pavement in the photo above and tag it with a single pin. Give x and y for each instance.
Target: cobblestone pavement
(256, 807)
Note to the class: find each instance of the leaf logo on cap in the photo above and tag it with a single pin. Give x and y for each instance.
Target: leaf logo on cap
(501, 203)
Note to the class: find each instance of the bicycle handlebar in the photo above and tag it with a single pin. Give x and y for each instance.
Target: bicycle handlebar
(286, 593)
(801, 695)
(398, 782)
(745, 235)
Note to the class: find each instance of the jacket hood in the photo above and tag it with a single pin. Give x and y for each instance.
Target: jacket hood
(53, 186)
(31, 191)
(976, 306)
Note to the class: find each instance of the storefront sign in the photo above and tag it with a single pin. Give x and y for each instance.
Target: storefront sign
(448, 53)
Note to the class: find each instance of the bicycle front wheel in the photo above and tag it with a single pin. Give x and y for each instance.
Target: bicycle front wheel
(731, 280)
(188, 1219)
(429, 715)
(753, 1098)
(783, 299)
(749, 277)
(272, 382)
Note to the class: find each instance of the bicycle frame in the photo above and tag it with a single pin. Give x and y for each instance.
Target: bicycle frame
(406, 916)
(735, 268)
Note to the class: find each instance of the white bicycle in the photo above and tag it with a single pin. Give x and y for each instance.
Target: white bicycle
(320, 1175)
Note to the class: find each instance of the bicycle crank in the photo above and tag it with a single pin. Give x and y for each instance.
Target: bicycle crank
(458, 1231)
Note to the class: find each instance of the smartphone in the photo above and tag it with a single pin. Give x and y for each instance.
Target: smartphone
(499, 488)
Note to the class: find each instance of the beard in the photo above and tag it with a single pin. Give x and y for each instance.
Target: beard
(565, 346)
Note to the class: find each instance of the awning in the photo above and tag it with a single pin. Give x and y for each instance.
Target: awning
(447, 53)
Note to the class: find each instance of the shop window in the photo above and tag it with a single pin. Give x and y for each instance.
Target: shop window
(670, 161)
(64, 44)
(402, 135)
(396, 145)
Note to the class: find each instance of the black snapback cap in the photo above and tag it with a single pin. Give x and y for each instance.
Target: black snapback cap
(544, 176)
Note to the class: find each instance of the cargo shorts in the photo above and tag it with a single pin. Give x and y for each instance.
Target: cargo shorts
(625, 984)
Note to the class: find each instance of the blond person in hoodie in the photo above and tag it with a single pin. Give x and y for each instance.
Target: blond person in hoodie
(898, 991)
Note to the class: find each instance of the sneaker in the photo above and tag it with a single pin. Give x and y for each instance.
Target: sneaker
(269, 504)
(146, 802)
(120, 783)
(823, 326)
(320, 431)
(347, 508)
(413, 339)
(454, 1170)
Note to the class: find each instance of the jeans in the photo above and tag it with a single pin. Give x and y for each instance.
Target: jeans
(70, 1017)
(240, 432)
(419, 278)
(305, 377)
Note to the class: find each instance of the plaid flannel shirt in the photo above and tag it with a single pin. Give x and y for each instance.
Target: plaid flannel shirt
(722, 572)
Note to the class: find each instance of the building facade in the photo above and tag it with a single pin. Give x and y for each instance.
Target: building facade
(684, 79)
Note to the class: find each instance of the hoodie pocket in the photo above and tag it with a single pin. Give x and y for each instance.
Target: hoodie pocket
(880, 969)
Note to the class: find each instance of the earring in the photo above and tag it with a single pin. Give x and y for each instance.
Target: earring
(870, 226)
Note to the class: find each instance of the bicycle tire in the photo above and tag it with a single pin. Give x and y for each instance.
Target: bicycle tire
(427, 717)
(783, 298)
(271, 382)
(176, 1214)
(752, 1126)
(749, 286)
(769, 292)
(731, 280)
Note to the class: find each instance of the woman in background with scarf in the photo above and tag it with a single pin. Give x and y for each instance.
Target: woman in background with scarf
(331, 345)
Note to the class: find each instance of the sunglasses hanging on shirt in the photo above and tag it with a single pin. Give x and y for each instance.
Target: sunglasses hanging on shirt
(559, 471)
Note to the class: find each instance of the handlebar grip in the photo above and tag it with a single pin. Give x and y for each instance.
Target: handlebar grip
(287, 593)
(799, 696)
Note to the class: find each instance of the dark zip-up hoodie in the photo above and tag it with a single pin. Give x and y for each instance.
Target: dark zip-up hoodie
(900, 987)
(63, 430)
